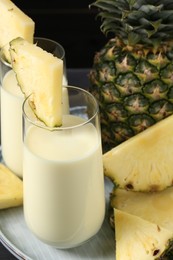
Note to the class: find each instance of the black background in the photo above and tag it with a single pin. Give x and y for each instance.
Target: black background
(72, 23)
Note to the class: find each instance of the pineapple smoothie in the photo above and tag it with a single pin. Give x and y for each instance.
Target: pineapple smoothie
(64, 201)
(11, 115)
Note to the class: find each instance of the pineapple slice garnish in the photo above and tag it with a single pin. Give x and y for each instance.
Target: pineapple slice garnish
(144, 162)
(39, 74)
(11, 188)
(138, 239)
(14, 23)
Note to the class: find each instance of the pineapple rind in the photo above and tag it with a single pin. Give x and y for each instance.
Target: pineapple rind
(140, 43)
(39, 73)
(137, 238)
(11, 188)
(144, 162)
(139, 74)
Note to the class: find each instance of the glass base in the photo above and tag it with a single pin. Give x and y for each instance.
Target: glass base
(66, 245)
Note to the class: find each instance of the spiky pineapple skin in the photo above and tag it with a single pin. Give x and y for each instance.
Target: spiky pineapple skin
(133, 86)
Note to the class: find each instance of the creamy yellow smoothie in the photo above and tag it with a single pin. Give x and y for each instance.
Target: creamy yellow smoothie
(11, 123)
(64, 202)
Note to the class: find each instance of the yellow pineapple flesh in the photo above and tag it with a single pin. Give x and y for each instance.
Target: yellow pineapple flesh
(138, 239)
(152, 206)
(14, 23)
(144, 162)
(39, 74)
(11, 188)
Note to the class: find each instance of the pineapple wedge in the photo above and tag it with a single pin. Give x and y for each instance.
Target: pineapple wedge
(144, 162)
(11, 188)
(39, 73)
(14, 23)
(138, 239)
(154, 207)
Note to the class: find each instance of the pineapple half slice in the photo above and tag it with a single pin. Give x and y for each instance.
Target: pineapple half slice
(144, 162)
(39, 73)
(14, 23)
(11, 188)
(138, 239)
(155, 207)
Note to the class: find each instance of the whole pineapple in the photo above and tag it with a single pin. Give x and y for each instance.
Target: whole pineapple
(132, 75)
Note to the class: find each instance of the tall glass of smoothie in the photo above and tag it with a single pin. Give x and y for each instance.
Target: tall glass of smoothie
(11, 106)
(64, 202)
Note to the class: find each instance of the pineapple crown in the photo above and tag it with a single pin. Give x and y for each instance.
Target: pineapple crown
(137, 21)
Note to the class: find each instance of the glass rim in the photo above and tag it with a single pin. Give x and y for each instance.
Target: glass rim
(42, 125)
(53, 41)
(5, 62)
(35, 38)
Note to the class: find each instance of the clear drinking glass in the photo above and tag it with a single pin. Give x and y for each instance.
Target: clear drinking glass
(64, 202)
(11, 106)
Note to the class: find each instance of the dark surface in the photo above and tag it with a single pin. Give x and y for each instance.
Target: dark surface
(76, 77)
(5, 255)
(72, 23)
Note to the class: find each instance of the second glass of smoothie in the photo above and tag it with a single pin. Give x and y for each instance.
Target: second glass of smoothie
(11, 106)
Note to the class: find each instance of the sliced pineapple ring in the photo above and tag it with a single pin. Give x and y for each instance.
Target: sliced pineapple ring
(14, 23)
(11, 188)
(152, 206)
(39, 73)
(137, 238)
(145, 161)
